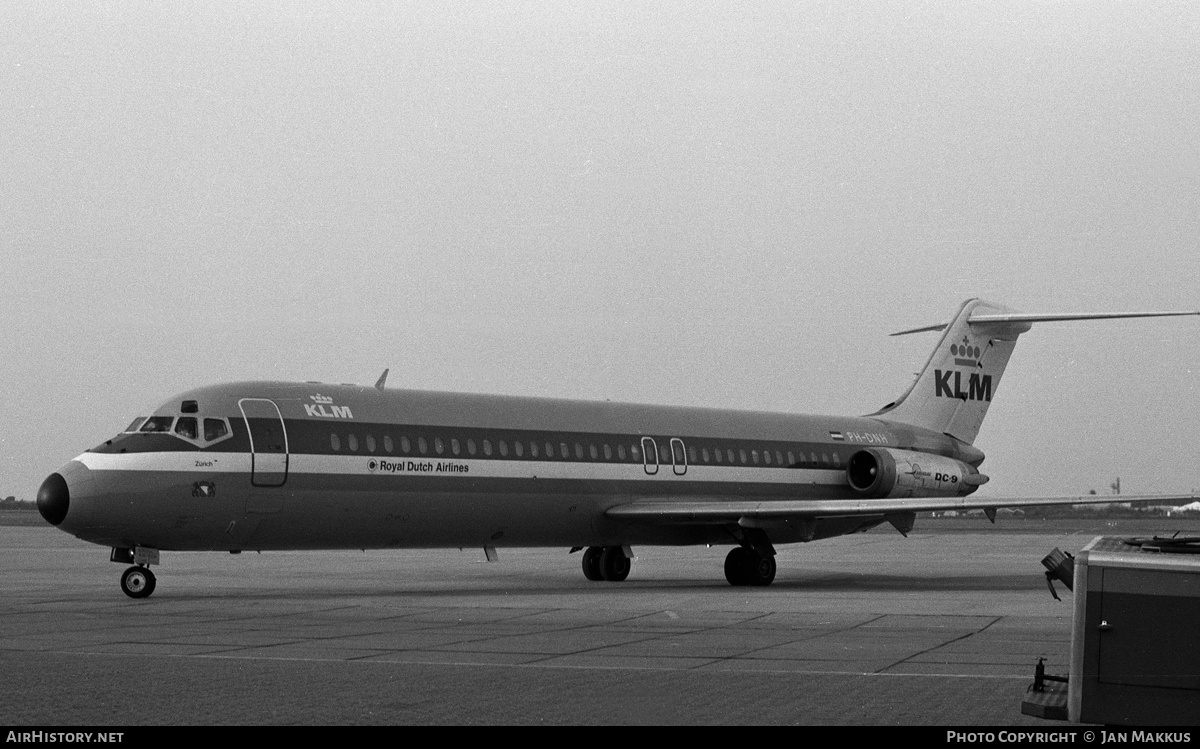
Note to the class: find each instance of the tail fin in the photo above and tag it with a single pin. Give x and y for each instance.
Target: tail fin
(954, 390)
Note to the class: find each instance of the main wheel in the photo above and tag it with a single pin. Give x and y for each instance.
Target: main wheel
(614, 565)
(760, 568)
(138, 582)
(735, 566)
(591, 563)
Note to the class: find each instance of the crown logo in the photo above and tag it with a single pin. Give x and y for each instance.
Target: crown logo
(966, 353)
(324, 400)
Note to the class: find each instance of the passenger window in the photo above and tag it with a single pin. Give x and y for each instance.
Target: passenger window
(471, 447)
(729, 454)
(677, 452)
(692, 454)
(717, 454)
(185, 427)
(664, 454)
(593, 452)
(158, 424)
(487, 448)
(621, 452)
(636, 452)
(767, 457)
(370, 443)
(704, 454)
(578, 451)
(455, 447)
(549, 449)
(742, 455)
(519, 448)
(438, 445)
(791, 458)
(405, 445)
(533, 449)
(422, 445)
(335, 442)
(608, 452)
(754, 456)
(352, 443)
(563, 451)
(388, 445)
(503, 449)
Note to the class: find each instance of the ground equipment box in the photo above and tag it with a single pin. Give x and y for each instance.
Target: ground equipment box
(1135, 641)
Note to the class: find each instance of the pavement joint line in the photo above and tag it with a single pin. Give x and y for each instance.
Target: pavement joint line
(536, 612)
(574, 627)
(751, 651)
(552, 656)
(540, 663)
(862, 624)
(943, 644)
(484, 638)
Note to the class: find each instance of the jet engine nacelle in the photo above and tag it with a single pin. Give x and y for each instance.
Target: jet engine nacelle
(876, 472)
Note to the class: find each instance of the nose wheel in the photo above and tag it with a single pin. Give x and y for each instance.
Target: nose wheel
(137, 582)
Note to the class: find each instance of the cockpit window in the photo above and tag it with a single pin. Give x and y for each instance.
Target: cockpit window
(214, 429)
(186, 427)
(158, 424)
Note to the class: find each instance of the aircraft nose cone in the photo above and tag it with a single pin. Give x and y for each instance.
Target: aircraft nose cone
(53, 499)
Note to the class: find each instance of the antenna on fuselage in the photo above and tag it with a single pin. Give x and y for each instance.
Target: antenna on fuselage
(381, 380)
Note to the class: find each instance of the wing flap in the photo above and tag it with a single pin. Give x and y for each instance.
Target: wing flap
(692, 510)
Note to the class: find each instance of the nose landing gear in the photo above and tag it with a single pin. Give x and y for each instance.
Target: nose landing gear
(138, 582)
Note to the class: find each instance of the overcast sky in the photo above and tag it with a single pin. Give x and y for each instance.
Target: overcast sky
(683, 203)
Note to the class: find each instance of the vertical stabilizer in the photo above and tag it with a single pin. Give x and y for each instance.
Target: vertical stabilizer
(954, 390)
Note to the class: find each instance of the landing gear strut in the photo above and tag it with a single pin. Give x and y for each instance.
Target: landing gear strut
(749, 566)
(138, 582)
(606, 563)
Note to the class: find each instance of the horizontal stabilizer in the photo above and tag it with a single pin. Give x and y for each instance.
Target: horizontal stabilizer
(718, 510)
(1032, 317)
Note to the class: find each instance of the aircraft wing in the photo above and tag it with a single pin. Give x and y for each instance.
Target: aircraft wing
(692, 510)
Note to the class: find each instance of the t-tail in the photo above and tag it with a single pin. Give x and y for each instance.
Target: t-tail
(952, 393)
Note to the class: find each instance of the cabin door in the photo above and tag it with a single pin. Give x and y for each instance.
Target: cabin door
(268, 442)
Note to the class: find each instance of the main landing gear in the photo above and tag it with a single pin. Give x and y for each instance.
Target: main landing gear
(748, 566)
(606, 563)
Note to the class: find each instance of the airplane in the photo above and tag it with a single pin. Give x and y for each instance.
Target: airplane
(285, 466)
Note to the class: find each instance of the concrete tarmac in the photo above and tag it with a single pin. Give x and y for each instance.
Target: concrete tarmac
(941, 628)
